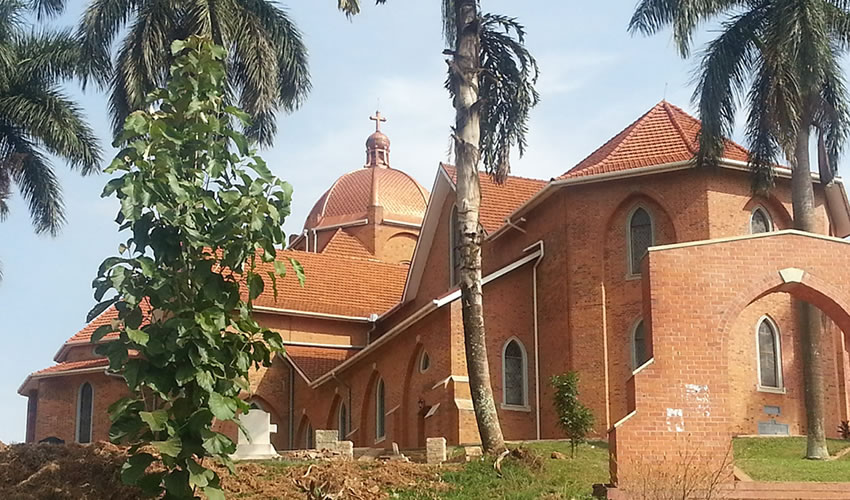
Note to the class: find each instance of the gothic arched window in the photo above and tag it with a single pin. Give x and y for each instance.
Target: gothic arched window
(380, 410)
(85, 409)
(640, 350)
(454, 248)
(641, 237)
(769, 355)
(514, 370)
(343, 421)
(308, 439)
(760, 221)
(424, 362)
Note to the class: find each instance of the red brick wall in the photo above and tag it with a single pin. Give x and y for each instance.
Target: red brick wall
(701, 301)
(57, 405)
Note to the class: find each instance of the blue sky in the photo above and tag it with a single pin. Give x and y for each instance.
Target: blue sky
(596, 79)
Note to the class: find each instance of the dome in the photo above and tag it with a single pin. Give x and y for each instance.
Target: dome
(378, 140)
(349, 198)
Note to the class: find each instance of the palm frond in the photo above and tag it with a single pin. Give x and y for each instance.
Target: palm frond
(100, 24)
(763, 130)
(721, 80)
(52, 55)
(32, 173)
(832, 119)
(47, 8)
(506, 92)
(684, 16)
(51, 120)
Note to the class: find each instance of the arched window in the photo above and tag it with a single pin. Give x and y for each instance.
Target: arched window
(641, 237)
(424, 362)
(308, 439)
(640, 350)
(85, 407)
(760, 221)
(454, 248)
(380, 411)
(769, 354)
(514, 369)
(343, 422)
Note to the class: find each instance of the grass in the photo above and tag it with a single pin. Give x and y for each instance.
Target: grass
(556, 479)
(782, 459)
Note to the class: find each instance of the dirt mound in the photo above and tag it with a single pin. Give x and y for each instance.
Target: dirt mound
(60, 472)
(336, 479)
(91, 472)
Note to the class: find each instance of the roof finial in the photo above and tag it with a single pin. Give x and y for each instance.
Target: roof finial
(378, 119)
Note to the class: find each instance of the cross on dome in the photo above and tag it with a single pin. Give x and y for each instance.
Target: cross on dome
(378, 119)
(378, 144)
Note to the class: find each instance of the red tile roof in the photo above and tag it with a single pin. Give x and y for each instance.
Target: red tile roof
(105, 318)
(499, 200)
(350, 197)
(335, 284)
(73, 365)
(665, 134)
(316, 361)
(346, 245)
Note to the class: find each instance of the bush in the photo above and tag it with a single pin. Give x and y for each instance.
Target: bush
(844, 429)
(575, 419)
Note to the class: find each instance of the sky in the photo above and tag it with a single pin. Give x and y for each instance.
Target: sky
(595, 80)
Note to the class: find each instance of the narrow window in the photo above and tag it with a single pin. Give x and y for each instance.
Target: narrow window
(380, 424)
(640, 238)
(640, 353)
(308, 439)
(454, 244)
(343, 422)
(85, 403)
(514, 373)
(769, 355)
(424, 362)
(760, 221)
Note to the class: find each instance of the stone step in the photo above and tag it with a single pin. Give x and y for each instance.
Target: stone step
(757, 490)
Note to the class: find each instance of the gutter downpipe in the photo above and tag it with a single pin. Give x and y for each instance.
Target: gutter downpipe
(536, 335)
(291, 406)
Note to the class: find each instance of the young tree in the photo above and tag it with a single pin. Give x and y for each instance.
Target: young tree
(491, 81)
(575, 419)
(36, 117)
(789, 53)
(201, 211)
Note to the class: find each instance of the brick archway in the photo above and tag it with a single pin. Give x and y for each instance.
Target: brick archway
(693, 294)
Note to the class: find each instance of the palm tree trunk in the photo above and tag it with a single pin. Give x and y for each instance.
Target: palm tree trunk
(464, 68)
(808, 316)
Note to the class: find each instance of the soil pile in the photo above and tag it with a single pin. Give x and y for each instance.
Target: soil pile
(92, 472)
(334, 479)
(63, 472)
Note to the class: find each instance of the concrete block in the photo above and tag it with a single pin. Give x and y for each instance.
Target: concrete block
(326, 439)
(435, 450)
(345, 449)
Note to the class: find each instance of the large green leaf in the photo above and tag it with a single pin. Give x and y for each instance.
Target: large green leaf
(222, 407)
(155, 419)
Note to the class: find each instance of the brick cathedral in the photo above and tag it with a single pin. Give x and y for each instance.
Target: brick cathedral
(667, 287)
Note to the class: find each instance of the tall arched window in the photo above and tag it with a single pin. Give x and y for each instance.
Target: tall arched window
(85, 408)
(769, 354)
(760, 221)
(343, 422)
(640, 350)
(641, 237)
(454, 248)
(308, 439)
(514, 370)
(380, 410)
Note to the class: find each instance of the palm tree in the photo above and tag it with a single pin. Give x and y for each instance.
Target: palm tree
(37, 118)
(266, 68)
(491, 81)
(783, 57)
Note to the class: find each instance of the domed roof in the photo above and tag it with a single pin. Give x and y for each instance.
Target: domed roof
(376, 185)
(349, 198)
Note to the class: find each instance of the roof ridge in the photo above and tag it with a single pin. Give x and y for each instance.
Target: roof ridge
(670, 109)
(445, 167)
(620, 137)
(420, 187)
